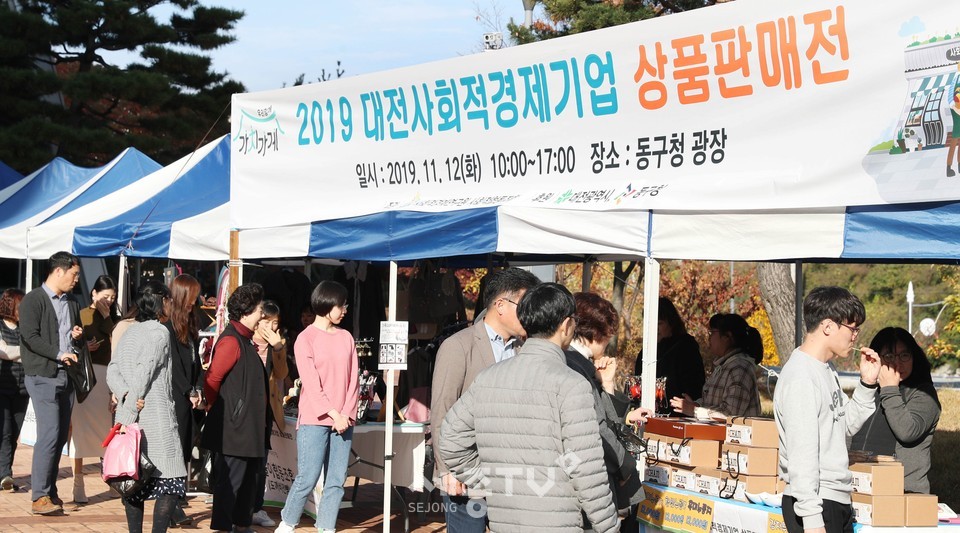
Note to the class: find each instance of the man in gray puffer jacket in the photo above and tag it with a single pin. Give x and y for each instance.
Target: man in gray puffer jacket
(526, 430)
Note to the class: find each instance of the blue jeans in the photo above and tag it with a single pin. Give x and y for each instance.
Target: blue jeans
(465, 515)
(319, 446)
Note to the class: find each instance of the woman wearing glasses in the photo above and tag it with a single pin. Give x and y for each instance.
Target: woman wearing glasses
(908, 408)
(327, 359)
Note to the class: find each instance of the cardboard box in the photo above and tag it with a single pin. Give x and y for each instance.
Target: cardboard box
(738, 459)
(920, 510)
(709, 481)
(682, 478)
(752, 431)
(656, 473)
(878, 511)
(705, 453)
(653, 449)
(686, 428)
(879, 479)
(736, 486)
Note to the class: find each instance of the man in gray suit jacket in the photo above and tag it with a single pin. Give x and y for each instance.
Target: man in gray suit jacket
(49, 327)
(493, 338)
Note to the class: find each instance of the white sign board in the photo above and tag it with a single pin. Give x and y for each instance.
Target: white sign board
(393, 345)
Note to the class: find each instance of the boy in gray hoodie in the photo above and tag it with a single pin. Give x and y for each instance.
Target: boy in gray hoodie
(814, 416)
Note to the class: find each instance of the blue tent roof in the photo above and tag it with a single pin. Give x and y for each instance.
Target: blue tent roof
(903, 231)
(49, 185)
(131, 167)
(8, 176)
(404, 235)
(147, 226)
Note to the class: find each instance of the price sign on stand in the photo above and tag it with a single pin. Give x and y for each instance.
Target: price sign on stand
(393, 345)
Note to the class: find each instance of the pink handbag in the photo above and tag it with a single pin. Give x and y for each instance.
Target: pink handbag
(122, 456)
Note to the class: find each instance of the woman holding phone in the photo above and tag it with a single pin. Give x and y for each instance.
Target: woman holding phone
(92, 419)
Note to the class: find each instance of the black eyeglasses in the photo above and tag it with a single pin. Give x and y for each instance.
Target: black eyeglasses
(903, 357)
(509, 300)
(854, 329)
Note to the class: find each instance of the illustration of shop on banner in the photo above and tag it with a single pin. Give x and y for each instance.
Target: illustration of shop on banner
(393, 345)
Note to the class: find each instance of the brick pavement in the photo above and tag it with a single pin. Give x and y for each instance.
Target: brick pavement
(104, 513)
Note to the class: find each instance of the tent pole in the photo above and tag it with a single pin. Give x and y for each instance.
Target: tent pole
(587, 277)
(651, 299)
(388, 430)
(122, 285)
(234, 261)
(28, 279)
(798, 328)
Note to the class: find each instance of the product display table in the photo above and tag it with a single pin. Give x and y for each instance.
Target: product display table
(676, 510)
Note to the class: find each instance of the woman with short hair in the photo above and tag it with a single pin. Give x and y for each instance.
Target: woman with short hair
(327, 359)
(235, 387)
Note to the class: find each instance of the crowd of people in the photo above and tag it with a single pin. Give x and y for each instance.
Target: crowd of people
(527, 415)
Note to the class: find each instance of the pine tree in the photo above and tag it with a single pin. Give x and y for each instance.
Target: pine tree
(565, 17)
(60, 94)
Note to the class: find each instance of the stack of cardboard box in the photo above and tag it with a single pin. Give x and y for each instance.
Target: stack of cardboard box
(878, 498)
(725, 460)
(749, 457)
(683, 453)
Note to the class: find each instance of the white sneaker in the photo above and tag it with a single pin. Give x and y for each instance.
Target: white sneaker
(261, 518)
(284, 528)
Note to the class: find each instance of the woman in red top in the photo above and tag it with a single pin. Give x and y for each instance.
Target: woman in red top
(327, 360)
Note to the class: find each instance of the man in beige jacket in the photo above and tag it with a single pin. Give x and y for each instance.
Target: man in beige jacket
(494, 337)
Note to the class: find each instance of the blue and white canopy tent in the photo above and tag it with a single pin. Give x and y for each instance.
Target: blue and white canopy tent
(59, 232)
(188, 219)
(60, 188)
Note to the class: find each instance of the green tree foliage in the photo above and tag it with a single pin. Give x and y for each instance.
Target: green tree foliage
(565, 17)
(62, 96)
(883, 289)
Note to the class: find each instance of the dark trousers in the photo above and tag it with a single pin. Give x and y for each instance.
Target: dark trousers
(261, 485)
(234, 490)
(53, 404)
(465, 515)
(162, 512)
(837, 517)
(13, 407)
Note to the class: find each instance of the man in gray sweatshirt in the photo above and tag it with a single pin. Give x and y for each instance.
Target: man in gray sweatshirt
(814, 416)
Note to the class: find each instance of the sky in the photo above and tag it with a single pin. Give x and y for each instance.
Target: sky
(278, 40)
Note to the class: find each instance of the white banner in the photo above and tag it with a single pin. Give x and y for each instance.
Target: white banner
(750, 104)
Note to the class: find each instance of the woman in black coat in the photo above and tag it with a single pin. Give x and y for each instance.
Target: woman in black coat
(678, 355)
(185, 370)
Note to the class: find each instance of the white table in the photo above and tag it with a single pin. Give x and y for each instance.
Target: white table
(409, 449)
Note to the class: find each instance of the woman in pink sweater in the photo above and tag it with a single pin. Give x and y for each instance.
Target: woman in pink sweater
(327, 361)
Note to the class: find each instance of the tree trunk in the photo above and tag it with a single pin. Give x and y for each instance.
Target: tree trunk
(777, 292)
(621, 271)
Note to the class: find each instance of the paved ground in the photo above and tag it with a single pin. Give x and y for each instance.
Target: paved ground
(104, 513)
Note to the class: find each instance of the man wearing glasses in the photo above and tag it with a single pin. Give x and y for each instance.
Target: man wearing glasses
(814, 416)
(493, 338)
(526, 431)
